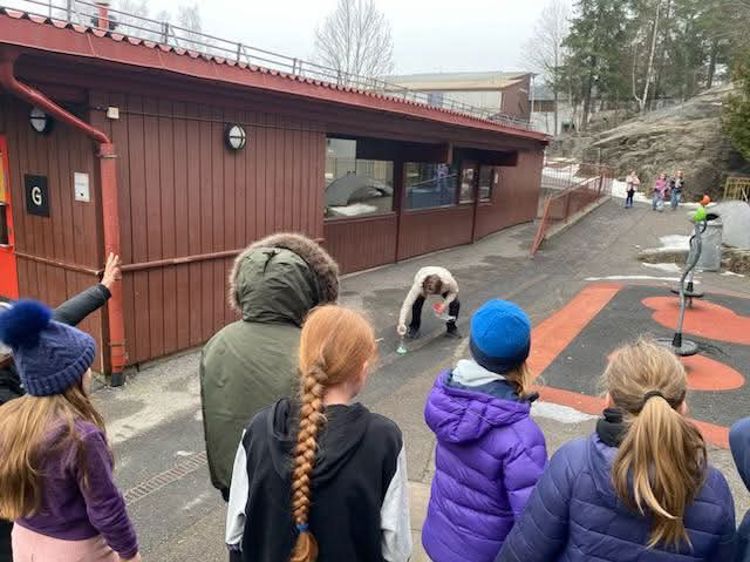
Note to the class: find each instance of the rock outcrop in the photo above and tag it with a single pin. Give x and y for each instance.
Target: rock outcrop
(685, 137)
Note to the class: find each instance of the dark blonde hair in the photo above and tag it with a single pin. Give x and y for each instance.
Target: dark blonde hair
(432, 285)
(335, 345)
(661, 462)
(521, 379)
(26, 426)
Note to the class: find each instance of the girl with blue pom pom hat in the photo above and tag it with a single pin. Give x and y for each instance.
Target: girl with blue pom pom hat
(56, 479)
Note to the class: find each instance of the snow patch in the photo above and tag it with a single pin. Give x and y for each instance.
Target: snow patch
(675, 242)
(562, 414)
(732, 274)
(665, 267)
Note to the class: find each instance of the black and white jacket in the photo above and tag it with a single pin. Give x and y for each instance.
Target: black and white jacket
(360, 509)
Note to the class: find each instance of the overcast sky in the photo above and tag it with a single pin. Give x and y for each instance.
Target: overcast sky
(428, 35)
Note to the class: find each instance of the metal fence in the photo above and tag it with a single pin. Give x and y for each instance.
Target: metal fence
(133, 25)
(737, 188)
(590, 184)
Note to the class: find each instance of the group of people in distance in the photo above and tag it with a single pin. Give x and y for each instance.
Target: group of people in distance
(665, 189)
(310, 474)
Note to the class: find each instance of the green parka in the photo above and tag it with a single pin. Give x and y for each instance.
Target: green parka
(252, 362)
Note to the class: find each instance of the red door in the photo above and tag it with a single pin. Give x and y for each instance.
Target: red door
(8, 270)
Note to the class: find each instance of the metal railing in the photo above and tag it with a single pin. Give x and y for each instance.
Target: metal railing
(592, 183)
(136, 26)
(737, 188)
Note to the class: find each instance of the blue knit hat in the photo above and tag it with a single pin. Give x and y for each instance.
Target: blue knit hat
(500, 336)
(50, 356)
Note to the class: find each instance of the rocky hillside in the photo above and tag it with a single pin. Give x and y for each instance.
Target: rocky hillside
(686, 137)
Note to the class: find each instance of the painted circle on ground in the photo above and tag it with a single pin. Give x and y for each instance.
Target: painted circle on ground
(709, 375)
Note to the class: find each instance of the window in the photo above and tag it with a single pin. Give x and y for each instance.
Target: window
(430, 185)
(467, 184)
(355, 187)
(488, 177)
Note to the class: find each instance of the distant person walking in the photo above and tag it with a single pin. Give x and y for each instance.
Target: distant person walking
(632, 182)
(676, 185)
(320, 477)
(251, 363)
(659, 193)
(55, 462)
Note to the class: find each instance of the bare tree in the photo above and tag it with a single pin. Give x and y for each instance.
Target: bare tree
(190, 36)
(642, 99)
(544, 50)
(355, 39)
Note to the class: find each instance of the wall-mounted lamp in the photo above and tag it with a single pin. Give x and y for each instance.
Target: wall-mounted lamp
(40, 121)
(235, 137)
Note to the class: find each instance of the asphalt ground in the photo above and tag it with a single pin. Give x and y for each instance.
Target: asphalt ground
(154, 420)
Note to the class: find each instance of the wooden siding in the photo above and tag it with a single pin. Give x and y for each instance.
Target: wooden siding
(516, 99)
(67, 242)
(184, 194)
(434, 229)
(362, 243)
(514, 200)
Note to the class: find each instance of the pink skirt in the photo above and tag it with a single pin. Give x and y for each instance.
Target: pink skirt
(29, 546)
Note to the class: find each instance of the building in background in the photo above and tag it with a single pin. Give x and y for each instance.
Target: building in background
(177, 160)
(503, 93)
(542, 100)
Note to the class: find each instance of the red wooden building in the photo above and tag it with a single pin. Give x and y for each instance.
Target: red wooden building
(111, 143)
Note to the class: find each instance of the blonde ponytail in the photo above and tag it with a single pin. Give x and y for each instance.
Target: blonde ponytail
(335, 345)
(661, 462)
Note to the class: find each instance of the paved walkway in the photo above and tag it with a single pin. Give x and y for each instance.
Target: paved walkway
(155, 422)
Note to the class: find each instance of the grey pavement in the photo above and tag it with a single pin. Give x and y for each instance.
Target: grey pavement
(154, 420)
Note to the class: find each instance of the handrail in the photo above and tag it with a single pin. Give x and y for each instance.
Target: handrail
(84, 12)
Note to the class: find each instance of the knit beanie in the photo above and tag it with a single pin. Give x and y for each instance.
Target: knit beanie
(500, 336)
(50, 357)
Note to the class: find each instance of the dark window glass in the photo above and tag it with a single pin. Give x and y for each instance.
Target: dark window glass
(487, 176)
(355, 187)
(430, 185)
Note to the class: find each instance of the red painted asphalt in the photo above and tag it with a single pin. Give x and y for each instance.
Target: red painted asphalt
(706, 320)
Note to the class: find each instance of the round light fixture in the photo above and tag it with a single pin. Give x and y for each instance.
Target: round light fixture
(40, 121)
(235, 137)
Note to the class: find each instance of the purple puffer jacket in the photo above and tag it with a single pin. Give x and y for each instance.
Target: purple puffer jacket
(489, 457)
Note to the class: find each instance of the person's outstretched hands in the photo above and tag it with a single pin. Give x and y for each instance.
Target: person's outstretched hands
(401, 330)
(111, 271)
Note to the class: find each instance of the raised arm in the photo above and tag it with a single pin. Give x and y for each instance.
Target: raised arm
(74, 310)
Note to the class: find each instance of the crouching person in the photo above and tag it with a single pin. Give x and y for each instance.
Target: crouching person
(430, 281)
(640, 488)
(321, 478)
(490, 453)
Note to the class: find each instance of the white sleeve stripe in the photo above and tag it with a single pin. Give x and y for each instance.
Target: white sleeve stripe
(394, 515)
(237, 498)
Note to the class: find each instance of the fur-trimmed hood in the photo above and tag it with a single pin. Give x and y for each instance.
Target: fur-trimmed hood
(281, 277)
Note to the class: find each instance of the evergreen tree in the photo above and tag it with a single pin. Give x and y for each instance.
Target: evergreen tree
(595, 46)
(736, 118)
